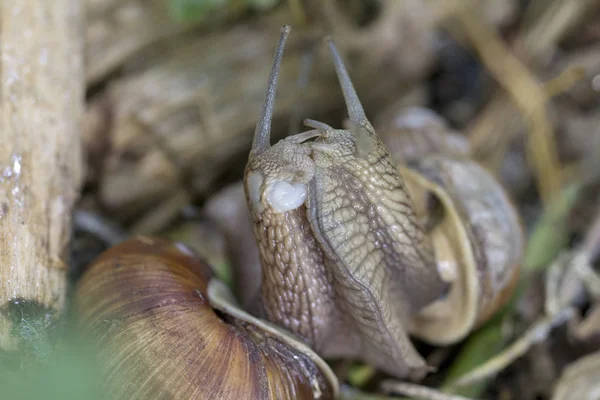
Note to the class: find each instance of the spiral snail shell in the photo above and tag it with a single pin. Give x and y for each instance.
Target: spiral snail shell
(476, 232)
(478, 243)
(168, 330)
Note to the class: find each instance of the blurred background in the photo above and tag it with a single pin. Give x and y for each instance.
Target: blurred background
(174, 89)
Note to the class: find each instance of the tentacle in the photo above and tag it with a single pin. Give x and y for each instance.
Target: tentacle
(262, 134)
(355, 108)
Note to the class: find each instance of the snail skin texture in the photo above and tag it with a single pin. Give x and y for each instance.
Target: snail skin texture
(350, 263)
(165, 329)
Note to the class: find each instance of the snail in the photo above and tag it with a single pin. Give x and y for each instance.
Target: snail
(359, 248)
(345, 264)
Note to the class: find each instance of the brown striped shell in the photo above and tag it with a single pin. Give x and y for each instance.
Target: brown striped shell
(166, 330)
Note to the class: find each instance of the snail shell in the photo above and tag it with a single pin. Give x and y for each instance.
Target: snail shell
(166, 330)
(410, 133)
(478, 242)
(476, 231)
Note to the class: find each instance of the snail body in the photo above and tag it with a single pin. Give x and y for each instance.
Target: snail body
(345, 264)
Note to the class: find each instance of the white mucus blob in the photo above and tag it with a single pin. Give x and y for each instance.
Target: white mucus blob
(285, 196)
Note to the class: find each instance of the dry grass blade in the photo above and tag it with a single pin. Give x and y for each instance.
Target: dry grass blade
(526, 92)
(298, 12)
(489, 141)
(564, 81)
(555, 20)
(536, 334)
(418, 391)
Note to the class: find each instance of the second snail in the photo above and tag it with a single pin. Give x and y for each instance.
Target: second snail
(356, 245)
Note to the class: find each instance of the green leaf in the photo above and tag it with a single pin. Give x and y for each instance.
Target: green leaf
(480, 347)
(360, 374)
(550, 234)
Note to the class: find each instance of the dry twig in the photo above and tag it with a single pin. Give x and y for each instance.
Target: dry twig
(418, 391)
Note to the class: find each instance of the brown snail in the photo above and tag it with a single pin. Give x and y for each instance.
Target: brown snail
(476, 233)
(357, 253)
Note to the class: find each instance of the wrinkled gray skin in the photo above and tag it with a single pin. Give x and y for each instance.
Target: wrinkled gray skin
(350, 266)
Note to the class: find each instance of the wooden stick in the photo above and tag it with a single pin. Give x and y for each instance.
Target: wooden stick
(42, 99)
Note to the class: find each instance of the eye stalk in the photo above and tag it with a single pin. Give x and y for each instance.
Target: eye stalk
(355, 108)
(359, 124)
(262, 133)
